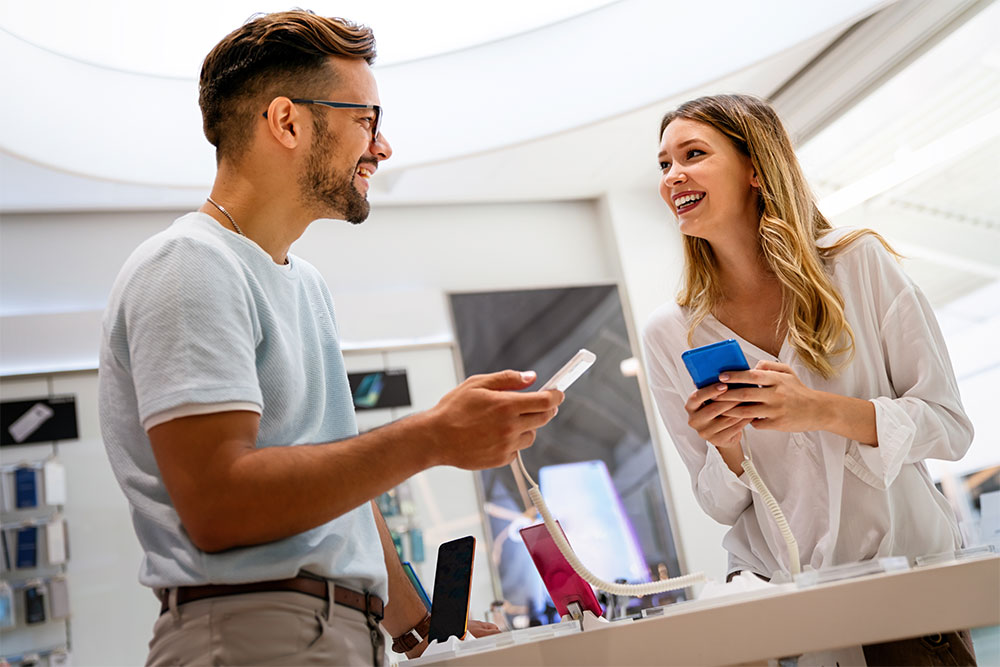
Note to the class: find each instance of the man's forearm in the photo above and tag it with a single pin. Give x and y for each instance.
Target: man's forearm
(405, 608)
(259, 495)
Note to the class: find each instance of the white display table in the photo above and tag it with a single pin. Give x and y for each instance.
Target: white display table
(785, 622)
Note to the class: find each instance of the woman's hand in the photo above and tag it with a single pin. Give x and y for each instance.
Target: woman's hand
(482, 628)
(706, 408)
(780, 402)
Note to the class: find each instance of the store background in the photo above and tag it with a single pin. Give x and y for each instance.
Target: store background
(524, 158)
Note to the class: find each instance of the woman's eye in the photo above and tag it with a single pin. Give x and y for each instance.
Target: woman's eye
(694, 152)
(664, 166)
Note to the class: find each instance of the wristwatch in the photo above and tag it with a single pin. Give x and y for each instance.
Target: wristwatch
(412, 637)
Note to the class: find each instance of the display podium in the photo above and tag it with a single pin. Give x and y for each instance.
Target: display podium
(785, 621)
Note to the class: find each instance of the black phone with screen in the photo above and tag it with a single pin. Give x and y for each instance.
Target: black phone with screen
(34, 604)
(452, 586)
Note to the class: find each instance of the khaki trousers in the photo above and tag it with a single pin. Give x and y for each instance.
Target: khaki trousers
(273, 628)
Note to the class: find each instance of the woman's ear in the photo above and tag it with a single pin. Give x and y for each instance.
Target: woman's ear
(754, 181)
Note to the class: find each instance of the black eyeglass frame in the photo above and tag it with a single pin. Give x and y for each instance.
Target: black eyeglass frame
(376, 127)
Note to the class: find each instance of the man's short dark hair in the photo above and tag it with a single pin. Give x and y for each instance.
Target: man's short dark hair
(285, 53)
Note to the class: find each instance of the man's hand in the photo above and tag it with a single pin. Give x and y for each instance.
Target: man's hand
(484, 421)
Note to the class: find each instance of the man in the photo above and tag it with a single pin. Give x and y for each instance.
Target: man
(220, 353)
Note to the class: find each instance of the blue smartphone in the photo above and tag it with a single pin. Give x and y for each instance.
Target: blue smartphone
(26, 485)
(412, 576)
(27, 547)
(705, 363)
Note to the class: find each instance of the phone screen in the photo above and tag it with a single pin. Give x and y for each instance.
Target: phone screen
(27, 547)
(26, 484)
(452, 585)
(34, 605)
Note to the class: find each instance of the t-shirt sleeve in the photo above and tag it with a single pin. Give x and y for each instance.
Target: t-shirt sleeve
(191, 328)
(924, 418)
(719, 492)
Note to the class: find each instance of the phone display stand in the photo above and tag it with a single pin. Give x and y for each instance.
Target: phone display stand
(436, 648)
(585, 617)
(453, 647)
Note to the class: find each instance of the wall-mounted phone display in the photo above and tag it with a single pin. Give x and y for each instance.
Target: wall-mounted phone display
(34, 544)
(26, 486)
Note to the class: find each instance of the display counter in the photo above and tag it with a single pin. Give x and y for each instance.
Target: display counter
(754, 627)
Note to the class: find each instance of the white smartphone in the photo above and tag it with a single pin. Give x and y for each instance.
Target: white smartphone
(29, 422)
(571, 372)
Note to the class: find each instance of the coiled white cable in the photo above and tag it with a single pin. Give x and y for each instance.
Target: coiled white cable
(636, 590)
(775, 510)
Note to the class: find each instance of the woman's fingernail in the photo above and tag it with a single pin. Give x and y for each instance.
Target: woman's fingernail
(724, 377)
(721, 387)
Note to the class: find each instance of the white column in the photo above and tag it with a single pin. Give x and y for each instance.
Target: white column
(643, 238)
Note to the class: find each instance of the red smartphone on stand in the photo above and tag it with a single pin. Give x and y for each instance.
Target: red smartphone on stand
(562, 582)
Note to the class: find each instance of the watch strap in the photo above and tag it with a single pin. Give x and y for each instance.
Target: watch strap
(412, 637)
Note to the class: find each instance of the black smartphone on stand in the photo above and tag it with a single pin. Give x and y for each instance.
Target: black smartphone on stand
(452, 587)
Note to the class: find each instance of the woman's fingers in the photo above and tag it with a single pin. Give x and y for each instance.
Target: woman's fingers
(699, 397)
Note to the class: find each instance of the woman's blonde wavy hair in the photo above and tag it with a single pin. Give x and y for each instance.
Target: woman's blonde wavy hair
(790, 225)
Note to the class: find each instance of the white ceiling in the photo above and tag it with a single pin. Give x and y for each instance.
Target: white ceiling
(141, 37)
(883, 96)
(587, 71)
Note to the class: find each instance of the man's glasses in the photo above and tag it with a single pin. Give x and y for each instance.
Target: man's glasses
(376, 126)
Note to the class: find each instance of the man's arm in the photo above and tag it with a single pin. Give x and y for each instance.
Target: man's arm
(405, 608)
(229, 493)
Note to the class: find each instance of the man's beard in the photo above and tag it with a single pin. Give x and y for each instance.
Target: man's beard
(334, 196)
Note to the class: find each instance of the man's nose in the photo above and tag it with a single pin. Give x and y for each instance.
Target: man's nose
(380, 147)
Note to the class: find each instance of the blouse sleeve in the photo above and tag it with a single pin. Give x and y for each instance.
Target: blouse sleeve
(924, 418)
(721, 494)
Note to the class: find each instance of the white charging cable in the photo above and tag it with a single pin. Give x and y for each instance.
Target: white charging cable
(636, 590)
(775, 509)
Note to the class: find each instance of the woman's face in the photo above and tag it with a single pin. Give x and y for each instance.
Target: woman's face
(708, 184)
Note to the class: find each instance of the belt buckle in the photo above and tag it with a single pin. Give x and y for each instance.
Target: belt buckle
(368, 608)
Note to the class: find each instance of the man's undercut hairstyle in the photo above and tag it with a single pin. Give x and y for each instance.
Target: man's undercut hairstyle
(272, 55)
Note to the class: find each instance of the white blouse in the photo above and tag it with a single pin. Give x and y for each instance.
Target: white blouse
(844, 501)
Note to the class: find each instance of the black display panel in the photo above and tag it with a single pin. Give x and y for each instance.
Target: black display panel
(373, 390)
(38, 420)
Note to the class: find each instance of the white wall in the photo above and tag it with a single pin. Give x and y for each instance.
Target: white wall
(643, 234)
(388, 276)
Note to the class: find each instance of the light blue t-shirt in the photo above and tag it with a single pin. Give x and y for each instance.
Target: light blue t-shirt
(201, 315)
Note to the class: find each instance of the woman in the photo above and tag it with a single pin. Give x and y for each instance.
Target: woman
(854, 384)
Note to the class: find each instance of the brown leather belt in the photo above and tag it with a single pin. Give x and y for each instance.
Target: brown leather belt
(363, 602)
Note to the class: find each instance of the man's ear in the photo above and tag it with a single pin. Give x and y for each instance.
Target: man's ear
(283, 121)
